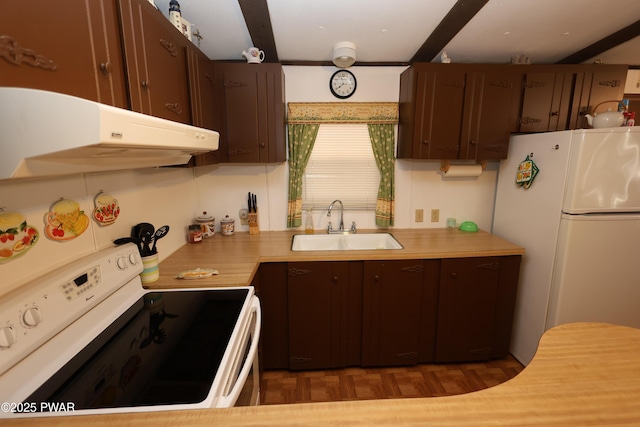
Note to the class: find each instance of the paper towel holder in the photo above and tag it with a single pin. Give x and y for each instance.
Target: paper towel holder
(446, 164)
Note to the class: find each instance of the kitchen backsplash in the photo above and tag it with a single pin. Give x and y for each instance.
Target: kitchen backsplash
(175, 196)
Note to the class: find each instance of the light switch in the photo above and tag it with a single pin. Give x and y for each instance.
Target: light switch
(435, 215)
(419, 215)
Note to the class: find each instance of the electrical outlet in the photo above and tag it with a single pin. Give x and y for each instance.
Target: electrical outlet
(419, 215)
(435, 215)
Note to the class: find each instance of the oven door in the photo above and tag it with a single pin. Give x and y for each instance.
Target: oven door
(242, 385)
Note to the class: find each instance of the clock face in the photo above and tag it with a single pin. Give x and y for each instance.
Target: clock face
(342, 84)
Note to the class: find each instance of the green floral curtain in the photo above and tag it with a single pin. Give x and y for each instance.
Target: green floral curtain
(382, 142)
(301, 140)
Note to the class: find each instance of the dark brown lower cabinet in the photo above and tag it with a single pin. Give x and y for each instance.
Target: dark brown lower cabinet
(333, 314)
(271, 287)
(324, 305)
(475, 310)
(392, 309)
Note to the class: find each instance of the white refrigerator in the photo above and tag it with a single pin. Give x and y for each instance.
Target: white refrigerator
(579, 222)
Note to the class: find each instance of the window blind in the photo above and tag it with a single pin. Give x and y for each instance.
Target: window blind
(342, 167)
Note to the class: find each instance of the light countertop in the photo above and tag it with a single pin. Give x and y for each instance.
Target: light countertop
(583, 374)
(237, 257)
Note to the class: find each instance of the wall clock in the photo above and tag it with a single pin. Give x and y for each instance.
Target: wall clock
(342, 84)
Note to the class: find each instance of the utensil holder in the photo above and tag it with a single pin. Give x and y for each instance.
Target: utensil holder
(151, 271)
(252, 219)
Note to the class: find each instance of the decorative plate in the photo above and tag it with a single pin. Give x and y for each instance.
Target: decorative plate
(107, 209)
(16, 236)
(527, 171)
(65, 221)
(198, 273)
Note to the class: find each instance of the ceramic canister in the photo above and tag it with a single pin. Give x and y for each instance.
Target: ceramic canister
(207, 225)
(227, 226)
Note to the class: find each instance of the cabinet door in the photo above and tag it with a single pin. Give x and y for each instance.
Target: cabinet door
(271, 288)
(391, 312)
(598, 87)
(439, 113)
(71, 48)
(253, 106)
(321, 304)
(546, 102)
(156, 63)
(468, 295)
(492, 108)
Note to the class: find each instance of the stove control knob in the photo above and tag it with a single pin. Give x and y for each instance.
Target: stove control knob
(31, 317)
(121, 262)
(133, 259)
(8, 336)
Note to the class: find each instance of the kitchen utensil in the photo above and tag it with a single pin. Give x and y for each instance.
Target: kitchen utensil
(144, 232)
(159, 234)
(123, 240)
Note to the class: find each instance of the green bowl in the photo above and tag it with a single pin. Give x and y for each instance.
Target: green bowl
(469, 226)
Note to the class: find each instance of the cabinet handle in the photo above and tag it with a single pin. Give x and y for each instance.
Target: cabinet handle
(454, 275)
(106, 67)
(262, 145)
(555, 114)
(334, 279)
(376, 278)
(426, 142)
(472, 142)
(145, 84)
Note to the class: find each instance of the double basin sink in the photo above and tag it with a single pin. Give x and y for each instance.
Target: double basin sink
(344, 242)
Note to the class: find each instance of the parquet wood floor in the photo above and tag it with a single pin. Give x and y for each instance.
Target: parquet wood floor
(279, 387)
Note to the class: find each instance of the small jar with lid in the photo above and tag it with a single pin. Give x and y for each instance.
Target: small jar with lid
(207, 225)
(194, 234)
(227, 226)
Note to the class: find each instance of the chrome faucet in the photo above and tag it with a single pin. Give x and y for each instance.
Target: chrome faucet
(341, 225)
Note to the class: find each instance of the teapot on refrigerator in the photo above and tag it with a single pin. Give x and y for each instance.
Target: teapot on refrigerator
(608, 119)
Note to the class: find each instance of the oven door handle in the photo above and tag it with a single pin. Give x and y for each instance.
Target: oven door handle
(230, 399)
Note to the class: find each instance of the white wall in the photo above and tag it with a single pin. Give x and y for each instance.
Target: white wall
(419, 185)
(158, 196)
(175, 196)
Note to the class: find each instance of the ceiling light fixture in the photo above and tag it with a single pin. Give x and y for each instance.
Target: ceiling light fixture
(344, 54)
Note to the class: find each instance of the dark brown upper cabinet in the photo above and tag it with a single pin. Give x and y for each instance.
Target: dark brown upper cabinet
(73, 48)
(156, 62)
(556, 97)
(458, 111)
(250, 113)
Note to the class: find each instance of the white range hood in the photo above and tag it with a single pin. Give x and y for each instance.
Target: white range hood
(47, 134)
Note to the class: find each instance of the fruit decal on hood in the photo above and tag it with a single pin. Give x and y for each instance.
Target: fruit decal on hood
(16, 236)
(65, 221)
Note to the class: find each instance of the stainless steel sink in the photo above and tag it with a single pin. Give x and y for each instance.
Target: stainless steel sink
(344, 242)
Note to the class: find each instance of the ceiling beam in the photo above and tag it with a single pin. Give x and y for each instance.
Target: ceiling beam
(256, 16)
(611, 41)
(459, 15)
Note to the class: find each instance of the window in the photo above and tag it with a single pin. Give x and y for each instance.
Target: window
(341, 166)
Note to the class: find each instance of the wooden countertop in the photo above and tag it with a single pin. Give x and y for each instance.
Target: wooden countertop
(237, 257)
(583, 374)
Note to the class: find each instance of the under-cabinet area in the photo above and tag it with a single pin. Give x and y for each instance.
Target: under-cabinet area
(334, 314)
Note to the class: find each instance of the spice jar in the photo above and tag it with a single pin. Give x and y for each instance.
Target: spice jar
(227, 226)
(194, 233)
(207, 225)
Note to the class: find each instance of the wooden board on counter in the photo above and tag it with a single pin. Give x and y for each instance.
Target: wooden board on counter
(237, 257)
(583, 374)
